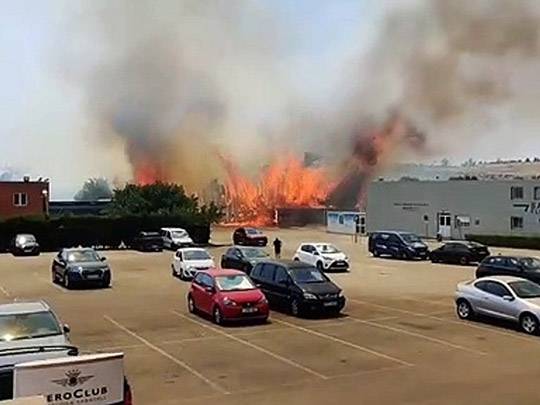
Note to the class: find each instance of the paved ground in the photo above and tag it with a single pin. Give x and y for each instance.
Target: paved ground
(398, 341)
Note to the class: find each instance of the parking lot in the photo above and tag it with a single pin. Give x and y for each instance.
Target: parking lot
(398, 340)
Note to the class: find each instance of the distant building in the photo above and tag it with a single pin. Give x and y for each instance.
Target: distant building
(456, 208)
(23, 198)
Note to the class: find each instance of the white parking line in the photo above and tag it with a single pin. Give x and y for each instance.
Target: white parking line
(167, 355)
(345, 343)
(5, 292)
(453, 321)
(253, 346)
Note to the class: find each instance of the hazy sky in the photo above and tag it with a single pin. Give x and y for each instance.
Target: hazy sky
(44, 125)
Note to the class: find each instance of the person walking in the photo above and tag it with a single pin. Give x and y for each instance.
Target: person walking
(277, 248)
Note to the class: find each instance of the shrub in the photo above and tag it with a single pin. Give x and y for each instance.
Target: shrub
(55, 233)
(520, 242)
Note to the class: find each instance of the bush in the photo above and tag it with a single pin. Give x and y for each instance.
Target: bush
(520, 242)
(55, 233)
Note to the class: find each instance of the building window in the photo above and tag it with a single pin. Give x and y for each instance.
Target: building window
(477, 222)
(516, 193)
(537, 193)
(516, 223)
(20, 199)
(463, 221)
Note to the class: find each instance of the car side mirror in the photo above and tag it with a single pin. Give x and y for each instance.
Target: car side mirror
(508, 298)
(103, 258)
(316, 253)
(66, 328)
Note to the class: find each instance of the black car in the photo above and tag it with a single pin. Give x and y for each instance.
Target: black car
(397, 244)
(249, 237)
(148, 242)
(524, 267)
(461, 252)
(77, 266)
(243, 258)
(297, 287)
(24, 244)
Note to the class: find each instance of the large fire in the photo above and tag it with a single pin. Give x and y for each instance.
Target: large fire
(284, 183)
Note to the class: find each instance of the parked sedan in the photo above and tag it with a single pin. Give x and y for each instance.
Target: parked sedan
(73, 267)
(189, 261)
(298, 287)
(249, 237)
(461, 252)
(523, 267)
(243, 258)
(227, 295)
(24, 244)
(510, 298)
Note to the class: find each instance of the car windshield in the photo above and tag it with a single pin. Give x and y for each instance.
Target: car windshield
(326, 248)
(82, 256)
(252, 231)
(237, 282)
(410, 237)
(304, 275)
(196, 255)
(525, 289)
(530, 263)
(254, 253)
(28, 326)
(179, 234)
(25, 238)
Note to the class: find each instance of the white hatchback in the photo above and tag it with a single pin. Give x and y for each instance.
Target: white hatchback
(324, 256)
(174, 238)
(189, 261)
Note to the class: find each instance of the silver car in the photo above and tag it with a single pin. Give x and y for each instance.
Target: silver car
(510, 298)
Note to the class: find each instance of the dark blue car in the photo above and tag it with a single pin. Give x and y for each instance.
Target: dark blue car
(397, 244)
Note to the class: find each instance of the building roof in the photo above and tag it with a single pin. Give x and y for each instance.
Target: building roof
(23, 307)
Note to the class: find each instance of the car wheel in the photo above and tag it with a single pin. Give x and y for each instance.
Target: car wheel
(191, 304)
(464, 260)
(54, 277)
(320, 266)
(464, 310)
(106, 282)
(376, 253)
(182, 275)
(296, 259)
(217, 316)
(295, 308)
(403, 256)
(529, 323)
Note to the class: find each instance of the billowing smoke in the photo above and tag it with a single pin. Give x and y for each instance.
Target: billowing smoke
(458, 69)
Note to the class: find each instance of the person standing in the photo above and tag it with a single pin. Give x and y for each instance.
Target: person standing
(277, 248)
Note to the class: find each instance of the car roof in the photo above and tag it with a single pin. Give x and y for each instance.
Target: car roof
(192, 249)
(505, 279)
(23, 307)
(78, 249)
(173, 229)
(224, 272)
(511, 257)
(394, 232)
(290, 264)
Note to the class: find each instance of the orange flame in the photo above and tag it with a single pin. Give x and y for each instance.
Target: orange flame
(285, 183)
(147, 173)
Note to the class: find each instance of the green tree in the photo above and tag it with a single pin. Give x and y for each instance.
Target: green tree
(161, 199)
(94, 189)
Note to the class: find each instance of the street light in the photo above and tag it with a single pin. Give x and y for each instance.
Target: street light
(45, 196)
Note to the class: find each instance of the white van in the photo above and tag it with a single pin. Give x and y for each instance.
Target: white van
(174, 238)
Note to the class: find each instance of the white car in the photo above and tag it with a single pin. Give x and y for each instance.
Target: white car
(174, 238)
(324, 256)
(189, 261)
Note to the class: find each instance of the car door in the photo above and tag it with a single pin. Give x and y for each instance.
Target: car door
(281, 286)
(177, 263)
(197, 287)
(496, 266)
(207, 292)
(500, 301)
(266, 280)
(480, 297)
(236, 259)
(395, 245)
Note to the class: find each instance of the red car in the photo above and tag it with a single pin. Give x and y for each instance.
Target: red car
(249, 237)
(227, 295)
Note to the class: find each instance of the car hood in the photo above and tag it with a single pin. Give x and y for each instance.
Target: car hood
(243, 296)
(335, 256)
(183, 239)
(10, 359)
(320, 288)
(200, 263)
(88, 265)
